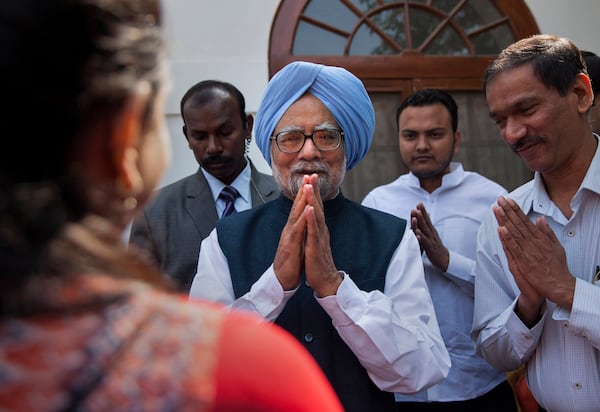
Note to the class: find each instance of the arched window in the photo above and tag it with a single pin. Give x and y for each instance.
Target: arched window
(396, 47)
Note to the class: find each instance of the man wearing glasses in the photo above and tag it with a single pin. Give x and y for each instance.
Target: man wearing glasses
(347, 281)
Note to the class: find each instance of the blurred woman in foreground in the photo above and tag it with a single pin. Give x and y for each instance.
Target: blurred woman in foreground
(85, 324)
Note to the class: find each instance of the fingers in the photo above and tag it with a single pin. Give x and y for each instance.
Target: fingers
(288, 263)
(420, 220)
(313, 199)
(516, 264)
(314, 255)
(545, 228)
(299, 202)
(509, 215)
(313, 194)
(429, 238)
(321, 272)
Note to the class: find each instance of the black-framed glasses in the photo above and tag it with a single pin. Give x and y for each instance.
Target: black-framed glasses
(293, 141)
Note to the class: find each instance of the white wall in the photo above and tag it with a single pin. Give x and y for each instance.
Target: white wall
(575, 19)
(228, 40)
(224, 40)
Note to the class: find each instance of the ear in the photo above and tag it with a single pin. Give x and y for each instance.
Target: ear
(249, 125)
(583, 89)
(185, 133)
(125, 140)
(457, 137)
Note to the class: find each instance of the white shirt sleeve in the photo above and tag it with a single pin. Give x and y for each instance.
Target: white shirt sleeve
(213, 282)
(395, 334)
(460, 271)
(500, 336)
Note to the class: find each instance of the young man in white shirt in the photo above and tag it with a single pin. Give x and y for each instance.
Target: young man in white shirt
(445, 205)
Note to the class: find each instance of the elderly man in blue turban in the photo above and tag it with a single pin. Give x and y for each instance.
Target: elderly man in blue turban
(347, 281)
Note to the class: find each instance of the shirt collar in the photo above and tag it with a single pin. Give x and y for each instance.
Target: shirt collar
(450, 179)
(241, 183)
(591, 181)
(540, 202)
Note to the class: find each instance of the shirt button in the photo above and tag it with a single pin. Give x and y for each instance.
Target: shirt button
(308, 337)
(577, 385)
(566, 324)
(306, 283)
(570, 233)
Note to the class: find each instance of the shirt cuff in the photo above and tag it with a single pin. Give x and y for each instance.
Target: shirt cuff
(344, 299)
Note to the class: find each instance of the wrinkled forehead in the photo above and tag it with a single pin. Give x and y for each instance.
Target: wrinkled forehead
(306, 113)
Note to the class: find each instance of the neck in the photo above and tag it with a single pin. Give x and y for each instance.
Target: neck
(563, 183)
(429, 184)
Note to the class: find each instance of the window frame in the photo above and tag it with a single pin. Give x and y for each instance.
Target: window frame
(388, 73)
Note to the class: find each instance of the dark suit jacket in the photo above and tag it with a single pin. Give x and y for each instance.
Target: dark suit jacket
(172, 226)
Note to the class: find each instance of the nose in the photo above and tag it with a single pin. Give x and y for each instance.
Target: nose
(422, 144)
(514, 130)
(309, 151)
(214, 144)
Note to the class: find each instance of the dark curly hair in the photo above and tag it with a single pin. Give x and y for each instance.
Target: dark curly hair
(63, 63)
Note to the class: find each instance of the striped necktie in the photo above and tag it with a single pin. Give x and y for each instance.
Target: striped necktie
(228, 194)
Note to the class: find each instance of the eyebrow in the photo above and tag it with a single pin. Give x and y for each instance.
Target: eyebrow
(433, 129)
(322, 126)
(525, 100)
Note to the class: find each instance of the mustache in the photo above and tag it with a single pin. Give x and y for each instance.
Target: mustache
(525, 141)
(215, 159)
(307, 168)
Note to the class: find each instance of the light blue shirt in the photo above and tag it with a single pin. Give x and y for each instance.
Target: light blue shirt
(456, 209)
(562, 351)
(241, 184)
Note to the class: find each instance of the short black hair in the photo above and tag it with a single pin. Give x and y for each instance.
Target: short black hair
(202, 93)
(556, 61)
(427, 97)
(592, 61)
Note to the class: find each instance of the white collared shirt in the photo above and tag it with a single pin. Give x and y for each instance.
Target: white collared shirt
(563, 350)
(456, 209)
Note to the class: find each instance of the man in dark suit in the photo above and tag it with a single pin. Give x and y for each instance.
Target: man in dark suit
(218, 132)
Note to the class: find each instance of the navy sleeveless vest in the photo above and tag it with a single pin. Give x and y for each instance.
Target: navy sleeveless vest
(362, 243)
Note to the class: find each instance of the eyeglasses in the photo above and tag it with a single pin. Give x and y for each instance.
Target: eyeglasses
(293, 141)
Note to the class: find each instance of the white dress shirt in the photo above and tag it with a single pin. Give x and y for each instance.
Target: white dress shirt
(394, 334)
(562, 351)
(456, 209)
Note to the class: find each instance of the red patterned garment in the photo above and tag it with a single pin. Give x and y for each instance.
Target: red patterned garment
(145, 350)
(133, 354)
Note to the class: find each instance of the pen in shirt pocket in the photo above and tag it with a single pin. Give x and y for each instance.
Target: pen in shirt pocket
(596, 278)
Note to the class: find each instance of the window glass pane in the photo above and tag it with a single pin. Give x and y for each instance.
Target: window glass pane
(366, 5)
(363, 5)
(445, 5)
(422, 24)
(447, 43)
(332, 12)
(367, 42)
(474, 15)
(310, 39)
(492, 41)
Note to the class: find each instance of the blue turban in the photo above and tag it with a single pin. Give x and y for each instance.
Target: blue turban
(339, 90)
